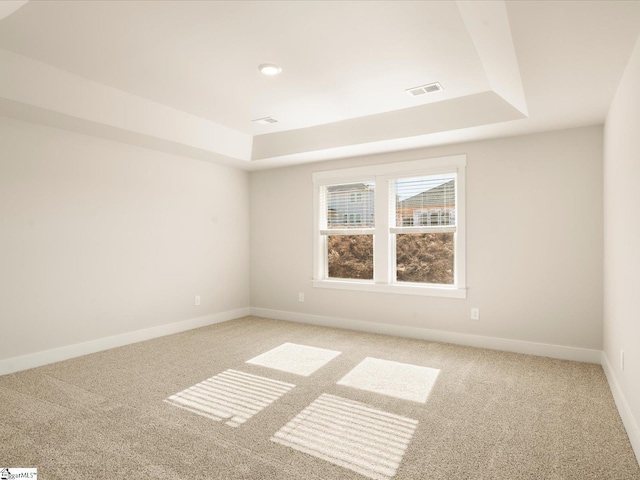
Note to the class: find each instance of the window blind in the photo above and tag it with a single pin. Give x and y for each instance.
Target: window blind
(347, 208)
(424, 204)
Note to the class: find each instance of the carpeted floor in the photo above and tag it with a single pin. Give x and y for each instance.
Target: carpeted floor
(264, 399)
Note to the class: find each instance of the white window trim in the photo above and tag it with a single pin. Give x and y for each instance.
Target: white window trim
(383, 267)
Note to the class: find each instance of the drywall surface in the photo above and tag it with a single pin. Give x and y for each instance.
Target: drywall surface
(622, 242)
(99, 238)
(534, 243)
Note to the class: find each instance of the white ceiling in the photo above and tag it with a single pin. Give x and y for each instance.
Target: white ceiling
(182, 76)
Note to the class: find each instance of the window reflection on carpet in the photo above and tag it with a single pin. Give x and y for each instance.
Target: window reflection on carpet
(293, 358)
(399, 380)
(232, 395)
(350, 434)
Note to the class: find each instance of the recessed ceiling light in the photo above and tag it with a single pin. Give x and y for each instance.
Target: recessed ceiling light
(424, 89)
(270, 69)
(265, 121)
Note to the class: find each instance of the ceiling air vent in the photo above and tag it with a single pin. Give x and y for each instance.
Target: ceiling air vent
(265, 121)
(424, 89)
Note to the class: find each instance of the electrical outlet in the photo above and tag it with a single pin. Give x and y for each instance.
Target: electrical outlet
(475, 314)
(196, 300)
(622, 360)
(301, 297)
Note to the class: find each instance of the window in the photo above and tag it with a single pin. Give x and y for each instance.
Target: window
(347, 246)
(355, 197)
(424, 252)
(392, 228)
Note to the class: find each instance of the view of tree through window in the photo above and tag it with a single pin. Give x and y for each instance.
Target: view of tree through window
(422, 257)
(350, 256)
(425, 258)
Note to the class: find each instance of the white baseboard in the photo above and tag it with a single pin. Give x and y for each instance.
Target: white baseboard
(46, 357)
(517, 346)
(630, 423)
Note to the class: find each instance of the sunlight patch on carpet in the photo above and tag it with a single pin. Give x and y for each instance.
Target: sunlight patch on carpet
(231, 396)
(399, 380)
(350, 434)
(293, 358)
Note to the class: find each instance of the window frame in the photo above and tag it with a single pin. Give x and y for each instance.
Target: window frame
(383, 239)
(322, 234)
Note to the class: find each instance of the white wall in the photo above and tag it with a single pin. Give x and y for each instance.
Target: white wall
(534, 243)
(99, 238)
(622, 245)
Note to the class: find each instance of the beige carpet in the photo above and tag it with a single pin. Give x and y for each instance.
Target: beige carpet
(312, 403)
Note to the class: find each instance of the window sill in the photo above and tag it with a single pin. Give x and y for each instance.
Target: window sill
(404, 289)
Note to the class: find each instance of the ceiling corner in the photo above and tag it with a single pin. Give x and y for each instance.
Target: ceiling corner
(487, 23)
